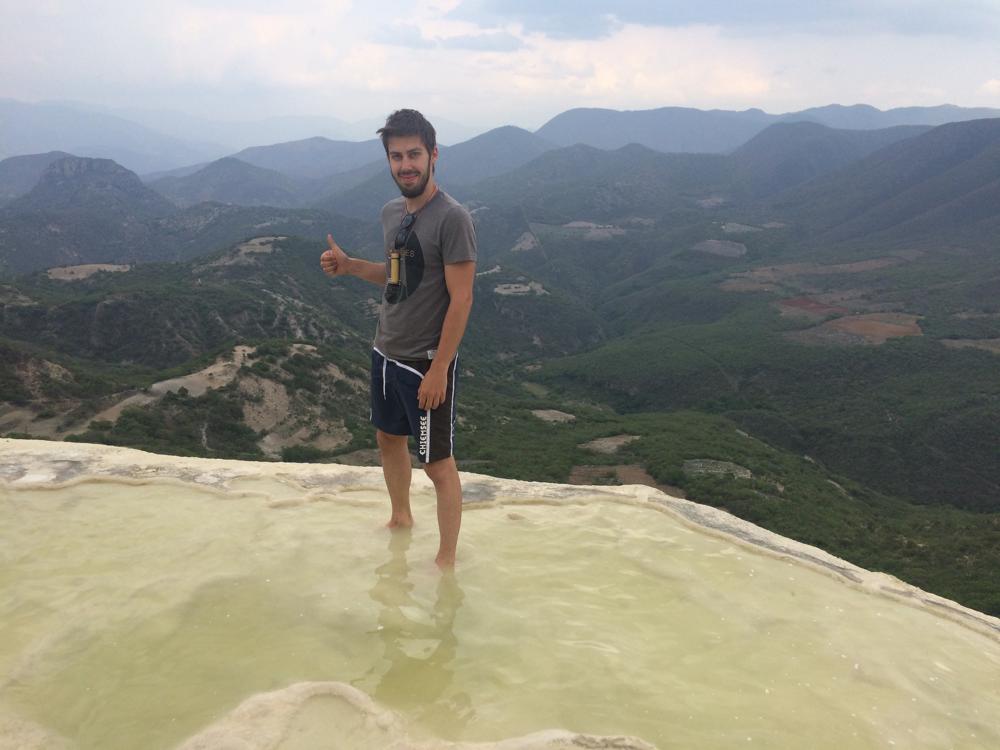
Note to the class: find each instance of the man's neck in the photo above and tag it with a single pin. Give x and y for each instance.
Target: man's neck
(415, 204)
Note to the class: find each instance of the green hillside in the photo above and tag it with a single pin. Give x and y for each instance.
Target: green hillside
(942, 181)
(805, 362)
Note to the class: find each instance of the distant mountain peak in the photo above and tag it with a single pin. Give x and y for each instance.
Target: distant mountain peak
(71, 166)
(19, 174)
(232, 180)
(856, 107)
(636, 148)
(228, 163)
(93, 185)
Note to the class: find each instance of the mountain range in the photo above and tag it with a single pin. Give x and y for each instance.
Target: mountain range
(835, 184)
(156, 142)
(680, 129)
(95, 211)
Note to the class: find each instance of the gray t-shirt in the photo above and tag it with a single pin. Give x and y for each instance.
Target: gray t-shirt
(411, 317)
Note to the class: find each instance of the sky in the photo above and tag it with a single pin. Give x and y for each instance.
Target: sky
(497, 62)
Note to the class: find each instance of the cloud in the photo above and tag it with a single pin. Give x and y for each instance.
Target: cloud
(414, 37)
(493, 62)
(499, 41)
(594, 19)
(406, 35)
(559, 19)
(654, 66)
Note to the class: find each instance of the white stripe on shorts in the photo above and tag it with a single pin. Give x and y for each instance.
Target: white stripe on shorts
(451, 426)
(398, 364)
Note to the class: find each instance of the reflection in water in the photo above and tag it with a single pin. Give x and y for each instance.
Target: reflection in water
(419, 646)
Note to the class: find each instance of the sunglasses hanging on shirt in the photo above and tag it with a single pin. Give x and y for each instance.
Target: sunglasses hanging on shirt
(393, 288)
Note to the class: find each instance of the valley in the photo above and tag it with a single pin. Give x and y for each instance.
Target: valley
(737, 329)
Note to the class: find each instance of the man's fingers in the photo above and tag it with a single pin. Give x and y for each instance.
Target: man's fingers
(430, 400)
(335, 249)
(429, 404)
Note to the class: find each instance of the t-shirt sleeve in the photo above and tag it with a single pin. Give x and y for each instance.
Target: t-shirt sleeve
(458, 236)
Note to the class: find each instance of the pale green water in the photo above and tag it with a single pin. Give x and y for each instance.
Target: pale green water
(134, 616)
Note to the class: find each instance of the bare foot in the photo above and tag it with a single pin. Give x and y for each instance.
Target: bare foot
(445, 563)
(400, 521)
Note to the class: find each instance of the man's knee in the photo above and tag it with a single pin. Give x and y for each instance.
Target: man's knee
(388, 442)
(441, 470)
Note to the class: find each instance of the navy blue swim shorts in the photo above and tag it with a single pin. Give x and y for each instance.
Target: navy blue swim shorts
(394, 387)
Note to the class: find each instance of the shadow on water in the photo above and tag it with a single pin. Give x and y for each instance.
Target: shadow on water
(417, 668)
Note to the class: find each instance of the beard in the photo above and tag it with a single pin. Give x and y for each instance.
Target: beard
(417, 188)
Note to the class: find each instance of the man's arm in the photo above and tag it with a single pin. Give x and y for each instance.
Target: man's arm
(335, 262)
(459, 278)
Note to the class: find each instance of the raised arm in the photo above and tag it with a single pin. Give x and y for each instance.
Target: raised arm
(335, 262)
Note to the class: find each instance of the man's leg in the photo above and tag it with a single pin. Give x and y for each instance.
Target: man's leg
(448, 486)
(396, 469)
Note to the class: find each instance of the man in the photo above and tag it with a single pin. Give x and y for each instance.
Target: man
(427, 280)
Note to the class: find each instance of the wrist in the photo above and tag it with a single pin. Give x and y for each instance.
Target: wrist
(438, 366)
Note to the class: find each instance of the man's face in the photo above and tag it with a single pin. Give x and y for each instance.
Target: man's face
(410, 164)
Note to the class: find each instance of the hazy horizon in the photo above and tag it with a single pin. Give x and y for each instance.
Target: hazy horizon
(269, 130)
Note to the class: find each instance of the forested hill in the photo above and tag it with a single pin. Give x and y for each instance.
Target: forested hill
(943, 184)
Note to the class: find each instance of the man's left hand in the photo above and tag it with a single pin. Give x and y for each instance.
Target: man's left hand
(433, 388)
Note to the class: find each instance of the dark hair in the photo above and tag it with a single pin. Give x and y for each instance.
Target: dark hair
(405, 122)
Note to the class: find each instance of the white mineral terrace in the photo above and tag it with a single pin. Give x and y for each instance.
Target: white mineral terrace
(158, 602)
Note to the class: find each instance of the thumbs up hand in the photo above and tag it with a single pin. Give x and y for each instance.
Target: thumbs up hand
(334, 261)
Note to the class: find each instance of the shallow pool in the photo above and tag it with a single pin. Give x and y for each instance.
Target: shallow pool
(135, 615)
